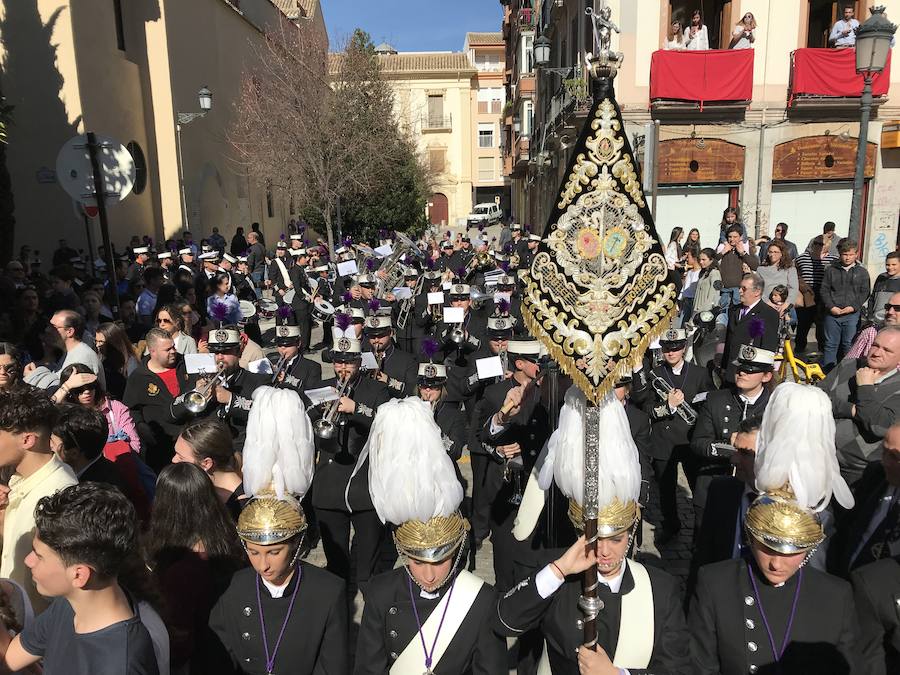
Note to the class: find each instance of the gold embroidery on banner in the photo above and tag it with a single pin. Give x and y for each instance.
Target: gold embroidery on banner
(599, 291)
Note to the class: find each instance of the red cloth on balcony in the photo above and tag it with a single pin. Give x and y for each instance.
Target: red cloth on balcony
(702, 76)
(832, 72)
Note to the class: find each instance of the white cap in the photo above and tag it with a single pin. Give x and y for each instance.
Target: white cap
(297, 237)
(138, 250)
(534, 237)
(460, 289)
(164, 255)
(230, 258)
(527, 348)
(186, 251)
(297, 252)
(674, 335)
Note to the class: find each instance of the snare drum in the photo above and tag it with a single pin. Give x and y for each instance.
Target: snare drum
(248, 310)
(267, 308)
(322, 310)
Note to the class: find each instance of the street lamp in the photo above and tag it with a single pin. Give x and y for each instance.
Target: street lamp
(873, 43)
(205, 97)
(542, 51)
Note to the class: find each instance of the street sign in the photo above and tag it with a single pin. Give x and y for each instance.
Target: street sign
(90, 211)
(74, 174)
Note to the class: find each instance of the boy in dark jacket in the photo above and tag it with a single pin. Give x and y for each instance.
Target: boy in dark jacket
(845, 288)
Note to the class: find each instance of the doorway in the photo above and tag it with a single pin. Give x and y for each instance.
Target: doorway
(822, 15)
(438, 209)
(716, 16)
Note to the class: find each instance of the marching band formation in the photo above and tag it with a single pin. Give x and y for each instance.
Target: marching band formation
(555, 366)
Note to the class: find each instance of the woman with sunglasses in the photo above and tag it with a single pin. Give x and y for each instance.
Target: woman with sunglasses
(118, 356)
(744, 34)
(10, 367)
(171, 318)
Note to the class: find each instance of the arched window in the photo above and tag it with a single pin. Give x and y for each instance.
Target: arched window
(140, 167)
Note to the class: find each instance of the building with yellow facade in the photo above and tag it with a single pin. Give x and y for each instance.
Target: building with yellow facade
(452, 102)
(126, 69)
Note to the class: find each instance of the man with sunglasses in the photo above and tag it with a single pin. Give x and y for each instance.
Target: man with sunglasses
(66, 331)
(865, 402)
(721, 417)
(686, 384)
(890, 316)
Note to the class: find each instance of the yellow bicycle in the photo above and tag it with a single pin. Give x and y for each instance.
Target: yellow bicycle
(812, 372)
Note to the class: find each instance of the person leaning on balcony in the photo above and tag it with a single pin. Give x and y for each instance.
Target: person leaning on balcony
(744, 34)
(674, 40)
(696, 37)
(843, 33)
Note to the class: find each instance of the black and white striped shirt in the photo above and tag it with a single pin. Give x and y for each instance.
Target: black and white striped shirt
(812, 270)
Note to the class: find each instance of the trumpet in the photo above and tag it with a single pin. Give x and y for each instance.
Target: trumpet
(479, 260)
(197, 400)
(326, 426)
(477, 296)
(662, 389)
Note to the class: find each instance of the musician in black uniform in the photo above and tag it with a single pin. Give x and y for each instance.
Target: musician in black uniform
(408, 331)
(167, 265)
(449, 260)
(720, 417)
(672, 405)
(460, 340)
(429, 615)
(771, 611)
(302, 293)
(432, 388)
(280, 615)
(294, 371)
(278, 273)
(721, 535)
(136, 269)
(640, 624)
(186, 264)
(427, 315)
(512, 425)
(506, 285)
(397, 369)
(526, 254)
(325, 291)
(231, 399)
(340, 497)
(485, 483)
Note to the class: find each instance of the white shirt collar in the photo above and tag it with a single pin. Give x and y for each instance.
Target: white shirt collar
(276, 591)
(745, 308)
(677, 370)
(751, 399)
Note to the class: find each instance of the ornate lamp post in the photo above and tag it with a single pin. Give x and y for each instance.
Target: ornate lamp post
(873, 44)
(205, 98)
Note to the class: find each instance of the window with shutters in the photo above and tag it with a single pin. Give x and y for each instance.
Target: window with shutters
(486, 168)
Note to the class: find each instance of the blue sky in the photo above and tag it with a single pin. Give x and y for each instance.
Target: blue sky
(412, 25)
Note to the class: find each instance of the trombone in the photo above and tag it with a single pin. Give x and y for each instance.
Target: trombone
(197, 400)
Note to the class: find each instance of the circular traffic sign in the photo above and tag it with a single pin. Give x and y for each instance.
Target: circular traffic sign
(75, 175)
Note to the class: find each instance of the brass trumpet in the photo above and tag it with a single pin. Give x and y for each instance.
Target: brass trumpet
(197, 400)
(662, 389)
(326, 426)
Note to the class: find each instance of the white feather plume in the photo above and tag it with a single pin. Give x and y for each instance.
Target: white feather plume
(619, 473)
(796, 445)
(279, 451)
(411, 476)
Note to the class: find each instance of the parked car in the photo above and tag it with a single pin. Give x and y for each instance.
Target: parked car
(487, 213)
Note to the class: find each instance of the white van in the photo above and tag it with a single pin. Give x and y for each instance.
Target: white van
(487, 213)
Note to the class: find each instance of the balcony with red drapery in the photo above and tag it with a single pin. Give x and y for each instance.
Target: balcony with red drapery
(828, 77)
(715, 79)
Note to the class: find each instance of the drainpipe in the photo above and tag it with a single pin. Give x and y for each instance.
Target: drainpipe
(759, 172)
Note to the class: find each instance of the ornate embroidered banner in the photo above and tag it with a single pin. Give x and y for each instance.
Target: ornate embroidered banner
(599, 291)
